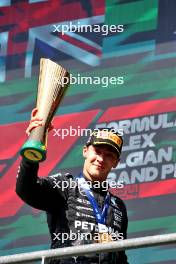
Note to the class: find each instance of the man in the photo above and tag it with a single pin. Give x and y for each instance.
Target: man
(82, 210)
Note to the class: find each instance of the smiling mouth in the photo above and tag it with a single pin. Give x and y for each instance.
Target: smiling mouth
(99, 166)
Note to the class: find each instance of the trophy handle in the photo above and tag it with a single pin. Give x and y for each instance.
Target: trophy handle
(34, 149)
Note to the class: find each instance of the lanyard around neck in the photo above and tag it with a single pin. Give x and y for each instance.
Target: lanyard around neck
(100, 215)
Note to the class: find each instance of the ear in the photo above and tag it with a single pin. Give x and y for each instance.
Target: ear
(85, 149)
(116, 163)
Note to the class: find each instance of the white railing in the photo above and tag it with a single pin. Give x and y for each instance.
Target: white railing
(127, 244)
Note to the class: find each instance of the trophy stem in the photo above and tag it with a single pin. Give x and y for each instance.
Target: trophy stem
(34, 149)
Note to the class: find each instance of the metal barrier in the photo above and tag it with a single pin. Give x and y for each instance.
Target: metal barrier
(132, 243)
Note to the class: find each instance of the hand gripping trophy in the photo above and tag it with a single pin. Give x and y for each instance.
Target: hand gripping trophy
(51, 90)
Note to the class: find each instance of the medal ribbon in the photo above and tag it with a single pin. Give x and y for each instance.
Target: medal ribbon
(100, 216)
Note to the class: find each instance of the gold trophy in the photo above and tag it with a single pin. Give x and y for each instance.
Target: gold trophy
(52, 85)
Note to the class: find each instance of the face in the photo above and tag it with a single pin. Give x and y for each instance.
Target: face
(99, 160)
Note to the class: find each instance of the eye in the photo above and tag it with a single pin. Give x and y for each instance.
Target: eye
(98, 151)
(110, 155)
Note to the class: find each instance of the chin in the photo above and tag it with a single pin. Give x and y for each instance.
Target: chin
(98, 176)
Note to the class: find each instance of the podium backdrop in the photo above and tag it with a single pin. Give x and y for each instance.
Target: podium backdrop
(143, 104)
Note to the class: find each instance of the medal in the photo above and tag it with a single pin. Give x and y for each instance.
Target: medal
(102, 228)
(104, 236)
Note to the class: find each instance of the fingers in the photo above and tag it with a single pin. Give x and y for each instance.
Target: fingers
(36, 121)
(34, 115)
(32, 125)
(34, 112)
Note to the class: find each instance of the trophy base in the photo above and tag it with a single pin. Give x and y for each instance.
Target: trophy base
(34, 151)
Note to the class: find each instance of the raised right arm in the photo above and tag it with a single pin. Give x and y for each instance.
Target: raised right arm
(38, 192)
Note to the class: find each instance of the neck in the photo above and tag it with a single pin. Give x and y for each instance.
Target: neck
(91, 178)
(97, 185)
(87, 175)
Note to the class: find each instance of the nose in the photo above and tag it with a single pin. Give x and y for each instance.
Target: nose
(100, 158)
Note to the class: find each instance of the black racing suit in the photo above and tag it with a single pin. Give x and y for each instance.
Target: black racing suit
(70, 216)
